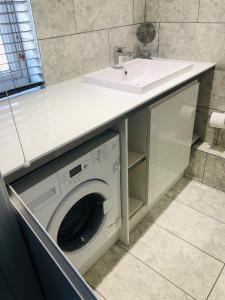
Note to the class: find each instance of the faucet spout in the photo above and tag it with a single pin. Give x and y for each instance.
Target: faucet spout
(119, 54)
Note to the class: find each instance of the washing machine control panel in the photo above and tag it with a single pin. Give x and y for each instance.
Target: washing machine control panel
(95, 164)
(74, 174)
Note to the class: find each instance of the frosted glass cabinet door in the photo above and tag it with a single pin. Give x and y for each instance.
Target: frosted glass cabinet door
(171, 130)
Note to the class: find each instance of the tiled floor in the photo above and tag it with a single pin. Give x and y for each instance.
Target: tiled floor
(177, 252)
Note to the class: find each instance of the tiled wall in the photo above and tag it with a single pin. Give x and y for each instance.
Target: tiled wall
(195, 30)
(78, 36)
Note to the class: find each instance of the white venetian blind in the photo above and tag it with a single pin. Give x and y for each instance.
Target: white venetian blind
(20, 65)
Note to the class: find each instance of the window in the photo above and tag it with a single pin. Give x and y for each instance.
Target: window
(20, 64)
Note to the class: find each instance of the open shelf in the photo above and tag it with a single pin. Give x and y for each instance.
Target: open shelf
(134, 158)
(134, 205)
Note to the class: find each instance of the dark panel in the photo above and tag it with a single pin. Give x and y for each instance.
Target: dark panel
(18, 279)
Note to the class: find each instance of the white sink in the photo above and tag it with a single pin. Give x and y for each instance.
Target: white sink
(142, 75)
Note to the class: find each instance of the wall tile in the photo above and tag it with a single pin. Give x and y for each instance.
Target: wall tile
(139, 11)
(53, 17)
(69, 56)
(221, 138)
(205, 89)
(202, 127)
(196, 165)
(126, 37)
(211, 149)
(218, 91)
(193, 41)
(99, 14)
(172, 11)
(215, 172)
(212, 11)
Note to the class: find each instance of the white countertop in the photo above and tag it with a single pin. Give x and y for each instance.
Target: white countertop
(50, 118)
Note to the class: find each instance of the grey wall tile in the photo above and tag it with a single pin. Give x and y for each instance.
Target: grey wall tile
(215, 172)
(99, 14)
(202, 127)
(221, 138)
(218, 91)
(69, 56)
(126, 37)
(172, 11)
(205, 89)
(193, 41)
(212, 11)
(211, 149)
(139, 11)
(53, 17)
(196, 165)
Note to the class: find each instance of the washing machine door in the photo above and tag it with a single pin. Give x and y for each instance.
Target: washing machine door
(80, 215)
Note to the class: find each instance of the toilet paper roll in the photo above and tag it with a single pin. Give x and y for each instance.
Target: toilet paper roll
(217, 120)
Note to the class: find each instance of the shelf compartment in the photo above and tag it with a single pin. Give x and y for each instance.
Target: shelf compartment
(134, 205)
(134, 158)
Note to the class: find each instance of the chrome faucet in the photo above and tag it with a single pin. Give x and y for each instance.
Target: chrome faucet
(119, 54)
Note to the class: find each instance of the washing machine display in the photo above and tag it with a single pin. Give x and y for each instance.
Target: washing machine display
(79, 202)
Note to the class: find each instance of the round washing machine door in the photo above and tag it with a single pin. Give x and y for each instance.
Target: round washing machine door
(80, 215)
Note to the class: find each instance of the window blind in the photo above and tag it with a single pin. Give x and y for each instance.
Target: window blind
(20, 64)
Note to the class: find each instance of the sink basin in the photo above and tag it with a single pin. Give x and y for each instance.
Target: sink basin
(138, 75)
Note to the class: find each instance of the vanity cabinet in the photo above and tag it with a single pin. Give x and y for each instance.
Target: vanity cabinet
(158, 140)
(170, 139)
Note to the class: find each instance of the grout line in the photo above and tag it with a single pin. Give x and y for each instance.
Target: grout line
(205, 185)
(145, 11)
(148, 266)
(212, 108)
(203, 175)
(217, 139)
(158, 39)
(88, 31)
(74, 14)
(109, 47)
(196, 210)
(94, 289)
(212, 154)
(215, 282)
(199, 5)
(184, 240)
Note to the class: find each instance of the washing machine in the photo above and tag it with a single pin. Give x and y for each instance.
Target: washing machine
(77, 199)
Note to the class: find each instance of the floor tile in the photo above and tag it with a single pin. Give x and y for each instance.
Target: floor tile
(184, 265)
(200, 197)
(191, 225)
(218, 293)
(119, 275)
